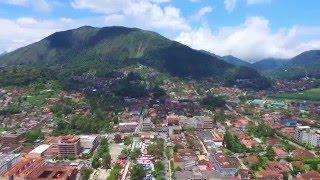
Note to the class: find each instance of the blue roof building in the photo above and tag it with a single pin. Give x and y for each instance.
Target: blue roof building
(288, 122)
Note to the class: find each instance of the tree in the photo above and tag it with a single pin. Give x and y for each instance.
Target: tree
(232, 143)
(220, 116)
(135, 153)
(125, 151)
(115, 172)
(287, 146)
(212, 102)
(156, 148)
(270, 153)
(33, 135)
(85, 174)
(137, 172)
(158, 172)
(106, 161)
(127, 140)
(95, 162)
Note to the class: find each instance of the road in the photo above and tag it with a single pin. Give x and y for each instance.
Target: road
(139, 127)
(167, 162)
(126, 169)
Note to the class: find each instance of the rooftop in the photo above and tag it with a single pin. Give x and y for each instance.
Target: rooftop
(40, 149)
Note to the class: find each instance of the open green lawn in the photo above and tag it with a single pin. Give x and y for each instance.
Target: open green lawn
(308, 95)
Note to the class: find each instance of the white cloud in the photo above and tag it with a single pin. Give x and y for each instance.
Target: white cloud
(252, 40)
(141, 13)
(39, 5)
(205, 10)
(26, 30)
(230, 5)
(252, 2)
(194, 1)
(16, 2)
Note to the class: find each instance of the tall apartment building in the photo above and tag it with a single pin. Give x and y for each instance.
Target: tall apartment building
(68, 146)
(304, 134)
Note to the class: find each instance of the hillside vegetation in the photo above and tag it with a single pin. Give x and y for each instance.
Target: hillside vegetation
(104, 50)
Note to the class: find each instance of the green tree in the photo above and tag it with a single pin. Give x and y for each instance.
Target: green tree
(135, 154)
(212, 102)
(156, 148)
(270, 153)
(137, 172)
(95, 162)
(158, 172)
(85, 174)
(127, 140)
(33, 135)
(232, 143)
(106, 161)
(115, 172)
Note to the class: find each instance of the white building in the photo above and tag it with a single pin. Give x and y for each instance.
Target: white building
(39, 150)
(304, 134)
(89, 142)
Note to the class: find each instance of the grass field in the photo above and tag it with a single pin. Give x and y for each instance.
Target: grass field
(308, 95)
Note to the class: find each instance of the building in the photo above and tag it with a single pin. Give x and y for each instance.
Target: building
(39, 151)
(147, 125)
(308, 176)
(281, 154)
(225, 166)
(68, 146)
(198, 122)
(11, 139)
(304, 134)
(7, 161)
(128, 127)
(257, 102)
(23, 168)
(54, 171)
(301, 134)
(288, 122)
(89, 142)
(186, 159)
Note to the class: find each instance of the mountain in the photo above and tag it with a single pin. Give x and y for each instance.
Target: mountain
(87, 49)
(235, 61)
(304, 64)
(229, 59)
(3, 53)
(268, 64)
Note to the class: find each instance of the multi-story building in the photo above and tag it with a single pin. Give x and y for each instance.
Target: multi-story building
(301, 134)
(11, 139)
(304, 134)
(7, 161)
(198, 122)
(68, 146)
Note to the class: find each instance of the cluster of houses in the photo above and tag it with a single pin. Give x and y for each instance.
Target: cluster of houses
(294, 85)
(36, 163)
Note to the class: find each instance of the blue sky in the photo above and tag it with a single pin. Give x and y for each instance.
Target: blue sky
(249, 29)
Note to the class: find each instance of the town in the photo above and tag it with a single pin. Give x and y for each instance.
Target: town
(178, 132)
